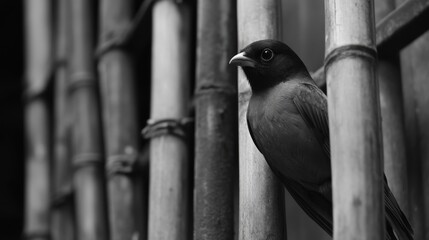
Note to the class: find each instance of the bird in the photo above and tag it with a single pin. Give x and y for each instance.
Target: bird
(287, 118)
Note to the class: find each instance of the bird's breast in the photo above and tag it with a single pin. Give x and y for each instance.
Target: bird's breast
(286, 141)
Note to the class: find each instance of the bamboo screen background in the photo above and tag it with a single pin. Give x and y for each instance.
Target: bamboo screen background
(302, 29)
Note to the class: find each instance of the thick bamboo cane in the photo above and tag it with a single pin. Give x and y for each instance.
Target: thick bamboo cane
(87, 148)
(415, 73)
(392, 113)
(261, 204)
(119, 115)
(62, 213)
(216, 145)
(169, 161)
(38, 30)
(354, 121)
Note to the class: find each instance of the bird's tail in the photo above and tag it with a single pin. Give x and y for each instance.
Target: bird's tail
(396, 219)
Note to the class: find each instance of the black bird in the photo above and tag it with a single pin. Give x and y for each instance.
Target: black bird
(288, 121)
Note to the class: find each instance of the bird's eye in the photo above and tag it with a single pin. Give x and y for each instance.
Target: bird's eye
(267, 54)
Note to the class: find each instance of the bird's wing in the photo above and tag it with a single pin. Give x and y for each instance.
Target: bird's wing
(312, 105)
(314, 204)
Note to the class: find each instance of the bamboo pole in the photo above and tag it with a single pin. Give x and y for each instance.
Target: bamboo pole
(169, 177)
(261, 196)
(216, 146)
(62, 213)
(119, 115)
(87, 148)
(356, 141)
(414, 73)
(394, 145)
(38, 32)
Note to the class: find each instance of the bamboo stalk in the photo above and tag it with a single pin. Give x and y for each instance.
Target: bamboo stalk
(414, 75)
(261, 196)
(356, 141)
(394, 146)
(414, 72)
(62, 214)
(87, 148)
(120, 120)
(38, 32)
(169, 166)
(216, 145)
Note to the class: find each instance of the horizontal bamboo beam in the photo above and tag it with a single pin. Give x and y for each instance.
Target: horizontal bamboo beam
(169, 188)
(354, 123)
(216, 144)
(261, 195)
(121, 133)
(396, 30)
(88, 178)
(38, 31)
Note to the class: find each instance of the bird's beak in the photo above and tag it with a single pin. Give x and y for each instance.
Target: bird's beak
(241, 60)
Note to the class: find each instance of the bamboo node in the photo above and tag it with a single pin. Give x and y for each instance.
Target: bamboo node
(85, 159)
(124, 164)
(175, 127)
(119, 41)
(81, 79)
(63, 196)
(37, 235)
(352, 50)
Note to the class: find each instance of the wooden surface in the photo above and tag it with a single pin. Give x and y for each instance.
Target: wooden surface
(261, 199)
(169, 159)
(116, 71)
(38, 55)
(392, 117)
(216, 144)
(91, 216)
(356, 141)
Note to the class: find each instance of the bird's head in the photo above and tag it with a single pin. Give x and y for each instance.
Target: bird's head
(268, 62)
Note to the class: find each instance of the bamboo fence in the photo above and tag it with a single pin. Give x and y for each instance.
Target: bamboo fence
(38, 42)
(236, 196)
(121, 133)
(216, 146)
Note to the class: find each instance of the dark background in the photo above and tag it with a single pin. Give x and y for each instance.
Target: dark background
(11, 119)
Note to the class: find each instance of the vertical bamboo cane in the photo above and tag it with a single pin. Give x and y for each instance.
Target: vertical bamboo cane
(169, 180)
(87, 148)
(415, 71)
(119, 112)
(261, 195)
(38, 31)
(62, 215)
(394, 147)
(356, 141)
(216, 121)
